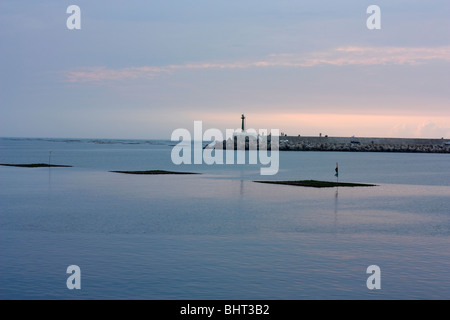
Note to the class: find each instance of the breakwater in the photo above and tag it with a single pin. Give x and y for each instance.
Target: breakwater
(354, 144)
(348, 144)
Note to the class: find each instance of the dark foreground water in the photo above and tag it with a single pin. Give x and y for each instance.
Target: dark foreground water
(219, 235)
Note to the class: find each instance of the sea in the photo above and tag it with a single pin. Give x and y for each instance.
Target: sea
(218, 234)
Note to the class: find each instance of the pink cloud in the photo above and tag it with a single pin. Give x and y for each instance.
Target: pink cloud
(343, 56)
(99, 74)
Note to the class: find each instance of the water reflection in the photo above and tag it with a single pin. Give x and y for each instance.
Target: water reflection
(241, 189)
(49, 177)
(336, 197)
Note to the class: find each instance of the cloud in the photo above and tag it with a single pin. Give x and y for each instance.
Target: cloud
(416, 127)
(342, 56)
(432, 129)
(99, 74)
(394, 55)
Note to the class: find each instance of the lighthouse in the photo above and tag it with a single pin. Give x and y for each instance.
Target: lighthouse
(243, 132)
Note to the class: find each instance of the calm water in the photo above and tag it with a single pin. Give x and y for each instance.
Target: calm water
(219, 235)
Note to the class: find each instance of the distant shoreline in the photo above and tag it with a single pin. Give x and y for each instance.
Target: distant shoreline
(295, 143)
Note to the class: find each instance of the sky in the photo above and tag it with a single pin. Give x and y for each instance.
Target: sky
(141, 69)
